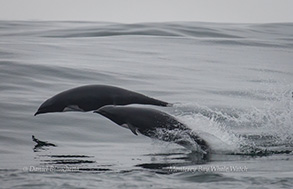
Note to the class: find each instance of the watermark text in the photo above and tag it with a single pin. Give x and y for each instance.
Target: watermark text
(50, 168)
(209, 169)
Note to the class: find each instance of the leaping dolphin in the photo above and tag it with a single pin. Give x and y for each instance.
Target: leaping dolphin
(154, 124)
(92, 97)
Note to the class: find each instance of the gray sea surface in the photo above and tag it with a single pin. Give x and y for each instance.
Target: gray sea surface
(231, 83)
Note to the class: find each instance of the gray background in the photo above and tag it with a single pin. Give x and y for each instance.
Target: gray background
(130, 11)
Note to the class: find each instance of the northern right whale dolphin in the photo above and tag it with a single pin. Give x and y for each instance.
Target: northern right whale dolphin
(154, 124)
(92, 97)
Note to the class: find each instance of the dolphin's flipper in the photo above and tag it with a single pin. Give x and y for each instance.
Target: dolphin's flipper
(131, 127)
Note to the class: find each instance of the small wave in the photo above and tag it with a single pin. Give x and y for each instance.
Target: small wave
(247, 42)
(223, 32)
(145, 29)
(254, 35)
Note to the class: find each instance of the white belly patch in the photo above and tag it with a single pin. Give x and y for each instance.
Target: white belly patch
(71, 108)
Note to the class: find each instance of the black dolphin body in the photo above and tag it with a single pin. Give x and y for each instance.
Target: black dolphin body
(154, 124)
(92, 97)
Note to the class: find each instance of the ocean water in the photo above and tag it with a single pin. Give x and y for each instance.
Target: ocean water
(230, 83)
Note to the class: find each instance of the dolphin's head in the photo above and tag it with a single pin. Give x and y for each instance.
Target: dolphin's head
(58, 104)
(113, 113)
(51, 105)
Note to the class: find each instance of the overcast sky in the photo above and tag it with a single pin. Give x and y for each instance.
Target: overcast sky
(131, 11)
